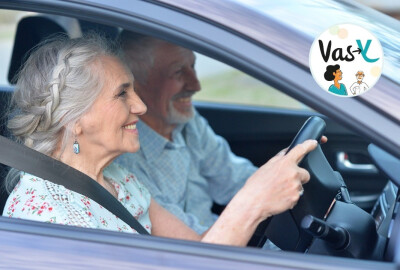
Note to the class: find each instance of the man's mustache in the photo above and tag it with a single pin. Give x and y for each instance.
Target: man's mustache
(184, 94)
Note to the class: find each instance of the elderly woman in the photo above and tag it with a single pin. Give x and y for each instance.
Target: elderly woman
(75, 102)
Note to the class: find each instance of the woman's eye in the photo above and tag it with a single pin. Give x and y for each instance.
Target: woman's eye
(122, 93)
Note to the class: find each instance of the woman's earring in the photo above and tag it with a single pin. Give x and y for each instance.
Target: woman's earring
(76, 147)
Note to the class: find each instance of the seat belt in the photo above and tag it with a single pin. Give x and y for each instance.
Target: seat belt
(28, 160)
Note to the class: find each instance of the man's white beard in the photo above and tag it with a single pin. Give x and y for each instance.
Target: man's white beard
(175, 117)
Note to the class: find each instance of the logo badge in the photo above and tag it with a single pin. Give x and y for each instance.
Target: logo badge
(346, 60)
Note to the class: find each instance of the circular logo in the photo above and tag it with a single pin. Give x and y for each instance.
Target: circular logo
(346, 60)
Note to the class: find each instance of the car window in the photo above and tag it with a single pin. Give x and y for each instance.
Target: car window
(222, 83)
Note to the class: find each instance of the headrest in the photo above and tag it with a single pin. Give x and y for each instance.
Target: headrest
(107, 31)
(30, 32)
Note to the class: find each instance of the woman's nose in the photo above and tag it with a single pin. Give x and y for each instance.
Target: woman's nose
(137, 105)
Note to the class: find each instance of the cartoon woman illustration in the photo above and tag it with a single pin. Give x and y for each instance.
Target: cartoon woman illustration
(333, 73)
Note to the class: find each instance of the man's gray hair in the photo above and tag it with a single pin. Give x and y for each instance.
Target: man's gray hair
(56, 86)
(139, 53)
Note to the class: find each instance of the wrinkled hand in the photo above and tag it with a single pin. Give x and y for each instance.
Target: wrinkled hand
(275, 187)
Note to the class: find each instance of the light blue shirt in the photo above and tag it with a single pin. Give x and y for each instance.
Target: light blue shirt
(187, 174)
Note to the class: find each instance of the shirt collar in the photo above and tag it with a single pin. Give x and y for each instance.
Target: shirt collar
(153, 144)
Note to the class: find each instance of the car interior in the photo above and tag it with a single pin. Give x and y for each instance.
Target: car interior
(357, 182)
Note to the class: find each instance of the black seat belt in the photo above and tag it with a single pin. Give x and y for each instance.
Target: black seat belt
(28, 160)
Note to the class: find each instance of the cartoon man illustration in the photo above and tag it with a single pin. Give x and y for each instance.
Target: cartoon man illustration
(359, 86)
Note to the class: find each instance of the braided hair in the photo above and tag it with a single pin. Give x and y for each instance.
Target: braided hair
(56, 86)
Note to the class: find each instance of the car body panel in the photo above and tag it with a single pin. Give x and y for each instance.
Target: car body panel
(39, 245)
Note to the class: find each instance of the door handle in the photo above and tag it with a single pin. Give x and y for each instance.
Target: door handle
(345, 165)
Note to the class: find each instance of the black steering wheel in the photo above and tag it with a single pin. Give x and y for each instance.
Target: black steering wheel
(319, 193)
(284, 230)
(312, 129)
(324, 221)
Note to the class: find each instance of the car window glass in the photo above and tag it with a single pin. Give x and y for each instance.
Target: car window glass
(224, 84)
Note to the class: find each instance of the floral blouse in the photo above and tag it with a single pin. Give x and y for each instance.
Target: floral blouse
(41, 200)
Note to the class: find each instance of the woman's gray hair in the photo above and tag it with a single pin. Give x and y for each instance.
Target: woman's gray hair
(56, 86)
(139, 53)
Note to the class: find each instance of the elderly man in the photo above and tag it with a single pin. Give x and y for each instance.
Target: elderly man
(359, 86)
(185, 165)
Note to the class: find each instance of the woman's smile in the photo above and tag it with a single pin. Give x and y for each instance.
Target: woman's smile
(131, 128)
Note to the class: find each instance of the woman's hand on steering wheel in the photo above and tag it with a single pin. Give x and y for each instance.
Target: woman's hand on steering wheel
(276, 186)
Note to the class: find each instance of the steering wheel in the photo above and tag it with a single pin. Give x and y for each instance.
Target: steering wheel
(284, 230)
(323, 221)
(313, 129)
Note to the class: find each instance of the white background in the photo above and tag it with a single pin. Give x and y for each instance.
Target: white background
(349, 69)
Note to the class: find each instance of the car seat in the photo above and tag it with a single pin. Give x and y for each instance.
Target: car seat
(107, 31)
(30, 32)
